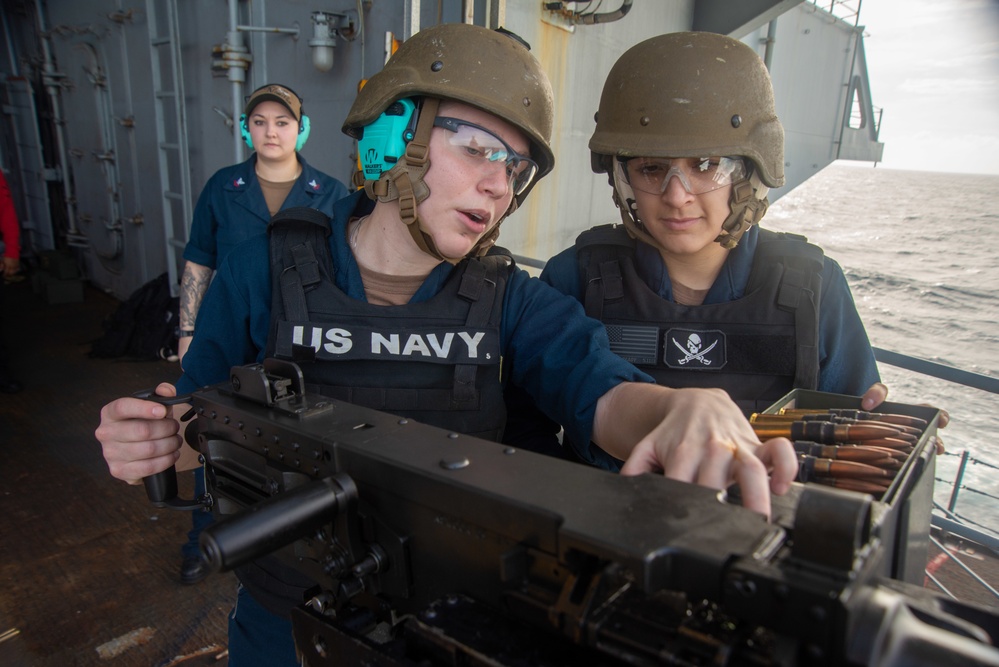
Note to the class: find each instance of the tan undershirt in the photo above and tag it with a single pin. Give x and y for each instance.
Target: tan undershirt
(275, 193)
(382, 289)
(686, 296)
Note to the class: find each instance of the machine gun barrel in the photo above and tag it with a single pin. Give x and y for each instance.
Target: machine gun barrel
(274, 523)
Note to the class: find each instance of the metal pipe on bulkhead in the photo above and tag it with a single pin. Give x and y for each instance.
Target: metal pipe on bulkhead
(237, 76)
(768, 51)
(58, 122)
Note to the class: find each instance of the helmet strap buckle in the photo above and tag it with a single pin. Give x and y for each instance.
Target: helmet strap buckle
(418, 150)
(748, 205)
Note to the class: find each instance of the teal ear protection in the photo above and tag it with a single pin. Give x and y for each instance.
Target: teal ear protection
(245, 131)
(383, 142)
(304, 128)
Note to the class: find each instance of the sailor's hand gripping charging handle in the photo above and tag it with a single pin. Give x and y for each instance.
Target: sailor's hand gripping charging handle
(161, 488)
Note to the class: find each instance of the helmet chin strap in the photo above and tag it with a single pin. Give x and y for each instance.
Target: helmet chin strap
(748, 205)
(405, 182)
(624, 198)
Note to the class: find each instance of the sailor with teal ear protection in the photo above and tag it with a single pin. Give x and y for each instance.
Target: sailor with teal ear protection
(236, 204)
(282, 95)
(238, 201)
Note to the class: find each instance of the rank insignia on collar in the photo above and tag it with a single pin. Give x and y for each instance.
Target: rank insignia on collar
(239, 182)
(313, 184)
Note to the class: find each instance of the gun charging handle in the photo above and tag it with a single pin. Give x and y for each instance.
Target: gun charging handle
(161, 488)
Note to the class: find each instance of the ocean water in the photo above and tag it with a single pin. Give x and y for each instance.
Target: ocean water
(921, 254)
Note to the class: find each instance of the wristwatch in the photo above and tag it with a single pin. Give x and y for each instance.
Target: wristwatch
(181, 333)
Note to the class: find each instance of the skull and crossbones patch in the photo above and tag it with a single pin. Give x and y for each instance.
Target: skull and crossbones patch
(694, 350)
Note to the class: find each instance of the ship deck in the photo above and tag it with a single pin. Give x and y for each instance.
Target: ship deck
(88, 568)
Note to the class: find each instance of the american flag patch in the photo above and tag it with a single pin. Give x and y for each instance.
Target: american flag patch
(636, 344)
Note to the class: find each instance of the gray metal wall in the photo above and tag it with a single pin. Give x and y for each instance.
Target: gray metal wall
(817, 61)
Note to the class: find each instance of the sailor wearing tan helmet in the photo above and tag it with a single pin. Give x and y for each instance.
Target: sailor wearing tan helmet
(690, 288)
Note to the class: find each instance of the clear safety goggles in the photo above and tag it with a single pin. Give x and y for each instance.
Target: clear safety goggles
(697, 175)
(479, 147)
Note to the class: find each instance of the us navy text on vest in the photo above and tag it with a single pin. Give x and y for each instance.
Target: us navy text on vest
(443, 345)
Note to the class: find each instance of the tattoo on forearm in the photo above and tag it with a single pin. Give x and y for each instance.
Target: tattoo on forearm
(193, 285)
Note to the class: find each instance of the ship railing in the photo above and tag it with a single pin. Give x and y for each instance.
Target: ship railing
(937, 370)
(946, 519)
(948, 554)
(845, 10)
(949, 522)
(857, 117)
(959, 526)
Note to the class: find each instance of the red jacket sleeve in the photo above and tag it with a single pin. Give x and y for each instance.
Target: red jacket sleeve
(10, 229)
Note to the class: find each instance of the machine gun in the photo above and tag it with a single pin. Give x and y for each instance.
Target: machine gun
(428, 547)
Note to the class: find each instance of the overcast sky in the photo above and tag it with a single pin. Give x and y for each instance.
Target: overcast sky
(934, 70)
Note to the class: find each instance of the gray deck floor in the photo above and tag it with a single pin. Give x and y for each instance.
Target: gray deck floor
(88, 568)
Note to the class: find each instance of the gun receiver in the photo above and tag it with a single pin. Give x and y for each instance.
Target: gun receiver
(431, 547)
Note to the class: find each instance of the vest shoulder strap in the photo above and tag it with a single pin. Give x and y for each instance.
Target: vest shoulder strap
(799, 292)
(613, 234)
(483, 284)
(599, 251)
(790, 248)
(484, 277)
(299, 256)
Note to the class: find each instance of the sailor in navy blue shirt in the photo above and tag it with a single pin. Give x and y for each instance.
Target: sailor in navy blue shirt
(547, 344)
(238, 201)
(232, 207)
(236, 204)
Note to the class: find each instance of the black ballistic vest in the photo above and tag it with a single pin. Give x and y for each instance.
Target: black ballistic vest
(437, 361)
(757, 347)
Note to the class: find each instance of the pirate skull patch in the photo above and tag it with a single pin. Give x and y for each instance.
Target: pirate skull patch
(688, 349)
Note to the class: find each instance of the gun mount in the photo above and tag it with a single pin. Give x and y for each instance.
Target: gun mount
(431, 547)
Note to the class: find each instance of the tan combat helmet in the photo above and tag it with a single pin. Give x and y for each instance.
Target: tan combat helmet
(488, 69)
(691, 94)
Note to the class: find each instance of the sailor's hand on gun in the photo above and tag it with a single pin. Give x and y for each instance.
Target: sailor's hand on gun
(141, 437)
(699, 436)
